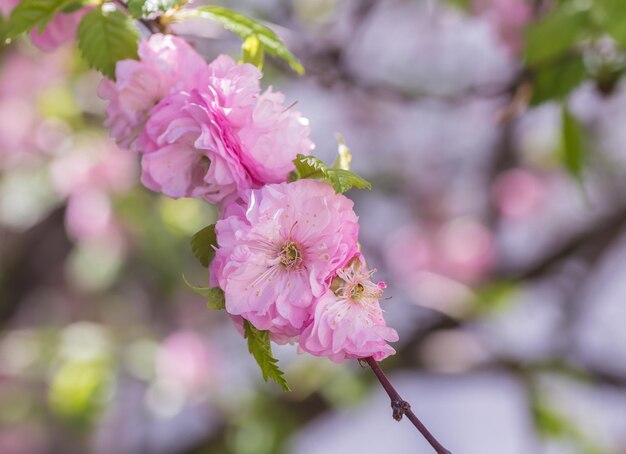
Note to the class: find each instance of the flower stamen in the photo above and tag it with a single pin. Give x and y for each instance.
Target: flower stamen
(290, 256)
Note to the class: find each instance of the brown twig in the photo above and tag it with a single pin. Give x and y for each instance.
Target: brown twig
(401, 407)
(153, 26)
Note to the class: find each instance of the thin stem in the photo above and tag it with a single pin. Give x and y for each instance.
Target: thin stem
(152, 26)
(401, 407)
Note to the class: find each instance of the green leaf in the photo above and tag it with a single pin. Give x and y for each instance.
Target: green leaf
(214, 295)
(260, 348)
(612, 15)
(573, 150)
(252, 52)
(341, 180)
(553, 424)
(203, 243)
(244, 27)
(495, 296)
(344, 180)
(464, 5)
(31, 14)
(555, 34)
(555, 82)
(73, 7)
(3, 29)
(310, 167)
(144, 8)
(106, 36)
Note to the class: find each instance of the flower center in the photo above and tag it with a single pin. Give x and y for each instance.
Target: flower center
(290, 256)
(356, 286)
(356, 292)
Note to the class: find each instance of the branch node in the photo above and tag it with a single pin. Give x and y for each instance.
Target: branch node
(400, 408)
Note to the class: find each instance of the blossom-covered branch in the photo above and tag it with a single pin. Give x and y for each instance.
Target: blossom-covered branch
(284, 257)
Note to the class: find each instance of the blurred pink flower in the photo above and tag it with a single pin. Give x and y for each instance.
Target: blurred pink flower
(7, 6)
(508, 18)
(18, 119)
(25, 76)
(60, 30)
(409, 250)
(518, 193)
(166, 64)
(95, 164)
(88, 214)
(279, 249)
(22, 439)
(186, 359)
(88, 176)
(348, 323)
(461, 249)
(465, 250)
(22, 79)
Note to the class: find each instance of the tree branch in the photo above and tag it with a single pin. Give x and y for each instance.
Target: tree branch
(604, 229)
(401, 407)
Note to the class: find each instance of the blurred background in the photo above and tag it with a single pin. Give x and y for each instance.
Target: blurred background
(501, 236)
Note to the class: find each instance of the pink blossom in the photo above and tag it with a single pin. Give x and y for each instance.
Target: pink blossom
(191, 150)
(166, 64)
(278, 250)
(271, 133)
(191, 144)
(236, 88)
(60, 30)
(222, 137)
(348, 323)
(274, 137)
(204, 130)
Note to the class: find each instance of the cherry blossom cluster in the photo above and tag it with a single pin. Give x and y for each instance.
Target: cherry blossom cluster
(203, 130)
(287, 255)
